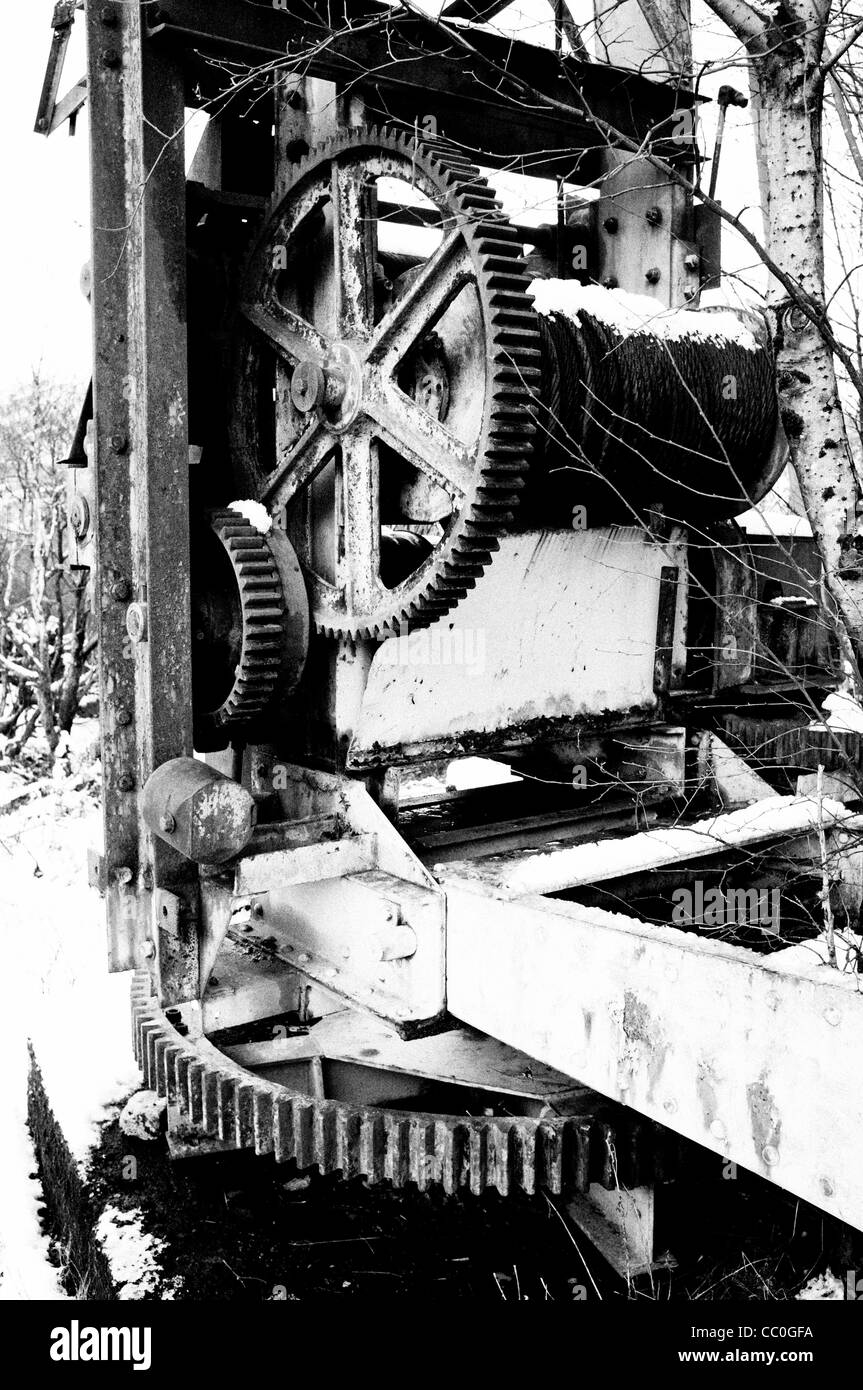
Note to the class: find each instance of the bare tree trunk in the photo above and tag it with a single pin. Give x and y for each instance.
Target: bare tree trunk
(787, 85)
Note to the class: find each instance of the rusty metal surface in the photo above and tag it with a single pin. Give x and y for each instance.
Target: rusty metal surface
(458, 1152)
(142, 474)
(579, 606)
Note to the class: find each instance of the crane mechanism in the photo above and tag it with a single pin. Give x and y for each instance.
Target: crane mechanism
(382, 475)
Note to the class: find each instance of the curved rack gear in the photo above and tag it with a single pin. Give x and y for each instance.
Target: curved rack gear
(257, 625)
(338, 357)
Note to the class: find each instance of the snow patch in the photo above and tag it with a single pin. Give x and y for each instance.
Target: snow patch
(141, 1116)
(630, 314)
(132, 1253)
(844, 713)
(822, 1286)
(255, 513)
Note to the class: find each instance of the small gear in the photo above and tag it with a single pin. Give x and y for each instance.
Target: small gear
(345, 415)
(240, 622)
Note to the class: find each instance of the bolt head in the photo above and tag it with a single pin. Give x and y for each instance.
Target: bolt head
(770, 1155)
(167, 823)
(148, 950)
(136, 622)
(308, 386)
(123, 718)
(108, 16)
(653, 275)
(125, 782)
(110, 58)
(653, 217)
(121, 590)
(611, 225)
(610, 282)
(119, 442)
(79, 516)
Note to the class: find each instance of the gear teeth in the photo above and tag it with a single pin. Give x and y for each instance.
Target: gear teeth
(263, 615)
(452, 1151)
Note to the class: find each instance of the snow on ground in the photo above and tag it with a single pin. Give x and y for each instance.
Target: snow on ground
(58, 993)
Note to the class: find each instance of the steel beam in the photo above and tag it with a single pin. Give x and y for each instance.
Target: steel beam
(753, 1056)
(141, 466)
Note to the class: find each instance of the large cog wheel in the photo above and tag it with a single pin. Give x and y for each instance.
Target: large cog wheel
(334, 426)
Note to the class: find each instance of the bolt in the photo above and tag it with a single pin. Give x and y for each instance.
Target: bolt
(653, 275)
(610, 282)
(148, 950)
(125, 783)
(110, 58)
(108, 16)
(79, 517)
(121, 590)
(689, 292)
(827, 1187)
(258, 909)
(304, 957)
(123, 717)
(770, 1155)
(167, 823)
(653, 217)
(670, 1106)
(136, 621)
(611, 225)
(119, 443)
(308, 385)
(832, 1017)
(691, 262)
(123, 874)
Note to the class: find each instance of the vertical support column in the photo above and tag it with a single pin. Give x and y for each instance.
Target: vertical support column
(142, 486)
(645, 226)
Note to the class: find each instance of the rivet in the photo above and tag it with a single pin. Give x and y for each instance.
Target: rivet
(123, 717)
(653, 275)
(121, 589)
(304, 957)
(689, 292)
(832, 1017)
(770, 1155)
(119, 443)
(123, 874)
(108, 16)
(168, 824)
(611, 225)
(610, 282)
(110, 58)
(125, 783)
(258, 909)
(670, 1106)
(136, 622)
(653, 217)
(827, 1187)
(148, 950)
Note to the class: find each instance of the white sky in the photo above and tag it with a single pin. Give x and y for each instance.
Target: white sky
(44, 236)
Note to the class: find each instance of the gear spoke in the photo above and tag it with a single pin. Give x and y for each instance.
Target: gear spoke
(299, 466)
(355, 232)
(436, 285)
(359, 538)
(287, 333)
(423, 441)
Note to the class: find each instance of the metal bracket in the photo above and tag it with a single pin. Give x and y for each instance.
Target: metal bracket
(53, 113)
